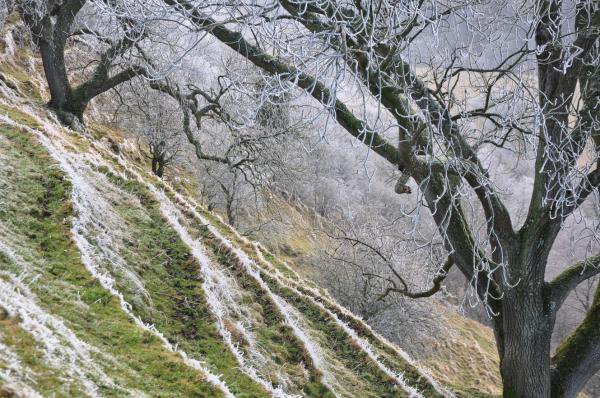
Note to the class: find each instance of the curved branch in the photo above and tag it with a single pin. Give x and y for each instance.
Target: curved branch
(189, 106)
(447, 213)
(437, 284)
(568, 280)
(386, 81)
(234, 40)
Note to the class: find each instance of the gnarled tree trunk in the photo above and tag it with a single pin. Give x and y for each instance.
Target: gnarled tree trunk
(50, 32)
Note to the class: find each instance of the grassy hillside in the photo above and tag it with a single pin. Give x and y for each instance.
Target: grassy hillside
(460, 352)
(115, 283)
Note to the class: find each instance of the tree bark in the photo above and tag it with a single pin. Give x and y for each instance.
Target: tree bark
(56, 74)
(155, 166)
(527, 331)
(230, 212)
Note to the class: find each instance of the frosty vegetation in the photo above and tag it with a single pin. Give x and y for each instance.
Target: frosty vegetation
(435, 138)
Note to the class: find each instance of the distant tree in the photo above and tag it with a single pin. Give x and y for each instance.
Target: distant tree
(163, 147)
(229, 185)
(154, 121)
(233, 153)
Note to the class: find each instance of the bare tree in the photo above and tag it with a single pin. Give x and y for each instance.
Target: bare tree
(234, 140)
(441, 150)
(154, 121)
(161, 133)
(112, 36)
(228, 183)
(163, 148)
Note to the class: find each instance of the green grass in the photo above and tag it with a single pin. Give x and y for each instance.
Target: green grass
(353, 357)
(280, 265)
(276, 338)
(271, 332)
(346, 350)
(379, 384)
(389, 357)
(468, 361)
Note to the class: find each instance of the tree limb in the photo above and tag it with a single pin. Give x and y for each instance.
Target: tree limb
(437, 284)
(447, 212)
(568, 280)
(386, 81)
(234, 40)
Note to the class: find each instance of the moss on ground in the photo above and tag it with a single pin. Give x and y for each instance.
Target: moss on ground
(37, 211)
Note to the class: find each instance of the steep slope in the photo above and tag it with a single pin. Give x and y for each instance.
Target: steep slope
(114, 283)
(458, 351)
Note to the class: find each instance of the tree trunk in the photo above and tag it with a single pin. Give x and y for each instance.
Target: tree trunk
(527, 324)
(75, 105)
(56, 74)
(69, 107)
(154, 165)
(230, 212)
(160, 171)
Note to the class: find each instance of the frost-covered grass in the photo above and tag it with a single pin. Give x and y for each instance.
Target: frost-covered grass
(35, 213)
(277, 332)
(239, 324)
(23, 368)
(377, 383)
(20, 80)
(18, 116)
(467, 360)
(172, 280)
(388, 358)
(274, 335)
(154, 253)
(367, 375)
